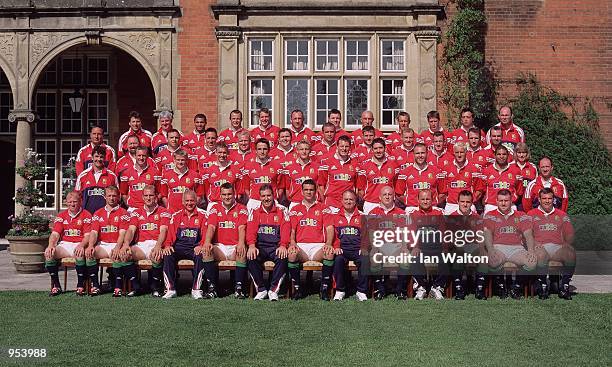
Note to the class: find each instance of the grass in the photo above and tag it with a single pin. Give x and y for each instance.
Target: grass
(153, 332)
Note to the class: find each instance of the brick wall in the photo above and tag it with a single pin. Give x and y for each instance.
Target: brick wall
(565, 43)
(198, 55)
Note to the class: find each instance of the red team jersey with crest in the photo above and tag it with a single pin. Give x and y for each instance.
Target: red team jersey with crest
(255, 174)
(174, 184)
(133, 182)
(285, 157)
(457, 179)
(440, 159)
(336, 177)
(426, 137)
(411, 180)
(347, 228)
(72, 228)
(144, 140)
(241, 157)
(372, 177)
(509, 178)
(510, 136)
(216, 176)
(357, 136)
(230, 137)
(507, 229)
(380, 210)
(321, 150)
(461, 135)
(305, 134)
(307, 222)
(554, 227)
(528, 173)
(187, 229)
(478, 157)
(362, 152)
(271, 228)
(227, 221)
(127, 161)
(202, 158)
(403, 156)
(109, 223)
(194, 140)
(159, 141)
(531, 197)
(165, 160)
(148, 224)
(295, 174)
(84, 159)
(394, 140)
(271, 133)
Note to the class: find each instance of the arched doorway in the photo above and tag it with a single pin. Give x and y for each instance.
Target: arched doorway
(112, 83)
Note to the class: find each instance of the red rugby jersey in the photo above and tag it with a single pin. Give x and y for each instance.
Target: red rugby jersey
(215, 176)
(84, 159)
(554, 227)
(511, 136)
(457, 179)
(134, 181)
(394, 140)
(440, 159)
(321, 150)
(185, 228)
(159, 141)
(148, 223)
(461, 135)
(226, 222)
(109, 223)
(174, 184)
(507, 229)
(373, 177)
(255, 174)
(268, 227)
(271, 133)
(477, 157)
(241, 157)
(295, 174)
(357, 136)
(285, 157)
(531, 197)
(489, 155)
(495, 180)
(305, 134)
(528, 172)
(165, 160)
(230, 137)
(380, 210)
(307, 222)
(336, 177)
(362, 152)
(194, 140)
(426, 137)
(411, 180)
(72, 228)
(202, 158)
(403, 156)
(144, 139)
(318, 137)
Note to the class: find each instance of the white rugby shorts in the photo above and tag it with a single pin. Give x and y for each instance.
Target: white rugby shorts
(310, 248)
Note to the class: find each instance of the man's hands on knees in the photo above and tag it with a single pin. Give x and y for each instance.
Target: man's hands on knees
(240, 251)
(252, 253)
(281, 252)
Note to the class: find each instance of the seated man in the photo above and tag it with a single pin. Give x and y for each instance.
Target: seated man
(428, 220)
(108, 227)
(69, 238)
(553, 234)
(225, 239)
(148, 229)
(308, 240)
(268, 230)
(185, 241)
(504, 232)
(344, 231)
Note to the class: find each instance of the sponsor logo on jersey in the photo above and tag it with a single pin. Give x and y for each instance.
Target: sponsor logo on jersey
(109, 229)
(148, 226)
(548, 227)
(96, 191)
(342, 177)
(421, 185)
(508, 230)
(349, 231)
(267, 230)
(309, 222)
(179, 189)
(458, 184)
(139, 186)
(219, 183)
(227, 224)
(501, 185)
(262, 180)
(72, 232)
(380, 180)
(190, 233)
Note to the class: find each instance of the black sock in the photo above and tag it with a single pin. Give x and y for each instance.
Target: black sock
(130, 271)
(155, 275)
(241, 272)
(326, 272)
(294, 273)
(92, 272)
(52, 268)
(210, 271)
(118, 274)
(81, 270)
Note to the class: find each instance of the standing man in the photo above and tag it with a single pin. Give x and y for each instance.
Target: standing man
(284, 152)
(439, 155)
(165, 159)
(159, 141)
(403, 154)
(466, 118)
(148, 230)
(363, 150)
(244, 153)
(136, 178)
(93, 180)
(69, 238)
(327, 145)
(501, 176)
(426, 137)
(308, 240)
(143, 136)
(344, 232)
(221, 171)
(226, 239)
(259, 171)
(337, 174)
(185, 241)
(195, 139)
(460, 175)
(84, 158)
(475, 153)
(268, 232)
(511, 133)
(204, 155)
(230, 135)
(302, 169)
(374, 174)
(545, 180)
(299, 132)
(367, 119)
(334, 117)
(265, 129)
(394, 139)
(106, 240)
(176, 182)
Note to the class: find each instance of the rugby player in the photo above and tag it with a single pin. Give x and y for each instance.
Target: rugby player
(284, 152)
(528, 171)
(466, 118)
(512, 134)
(159, 141)
(475, 153)
(106, 240)
(165, 158)
(403, 154)
(374, 174)
(226, 238)
(505, 230)
(394, 140)
(230, 135)
(426, 137)
(203, 155)
(439, 155)
(363, 151)
(302, 169)
(553, 234)
(261, 170)
(546, 180)
(195, 139)
(327, 145)
(267, 235)
(84, 157)
(265, 129)
(69, 238)
(344, 233)
(143, 136)
(93, 180)
(367, 119)
(337, 174)
(460, 175)
(186, 233)
(244, 153)
(307, 240)
(334, 117)
(221, 171)
(496, 140)
(148, 231)
(129, 159)
(299, 132)
(501, 175)
(137, 177)
(178, 180)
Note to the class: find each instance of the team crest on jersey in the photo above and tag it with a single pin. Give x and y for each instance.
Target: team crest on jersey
(510, 175)
(271, 135)
(556, 217)
(148, 176)
(197, 221)
(311, 171)
(235, 215)
(156, 217)
(187, 180)
(467, 174)
(276, 218)
(389, 170)
(104, 181)
(317, 212)
(429, 175)
(79, 222)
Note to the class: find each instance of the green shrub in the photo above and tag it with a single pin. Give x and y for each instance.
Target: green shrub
(554, 127)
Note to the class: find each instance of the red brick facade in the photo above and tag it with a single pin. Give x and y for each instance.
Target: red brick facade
(198, 63)
(566, 44)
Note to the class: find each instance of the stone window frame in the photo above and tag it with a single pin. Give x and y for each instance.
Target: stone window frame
(374, 74)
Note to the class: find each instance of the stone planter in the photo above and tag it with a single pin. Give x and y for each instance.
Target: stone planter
(28, 252)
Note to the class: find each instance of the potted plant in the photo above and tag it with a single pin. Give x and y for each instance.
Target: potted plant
(29, 234)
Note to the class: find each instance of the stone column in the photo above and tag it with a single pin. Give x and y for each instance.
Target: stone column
(23, 140)
(228, 74)
(427, 41)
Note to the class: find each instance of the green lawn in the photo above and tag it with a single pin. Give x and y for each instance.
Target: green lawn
(153, 332)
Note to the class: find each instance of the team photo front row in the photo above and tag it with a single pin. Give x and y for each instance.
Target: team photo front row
(251, 232)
